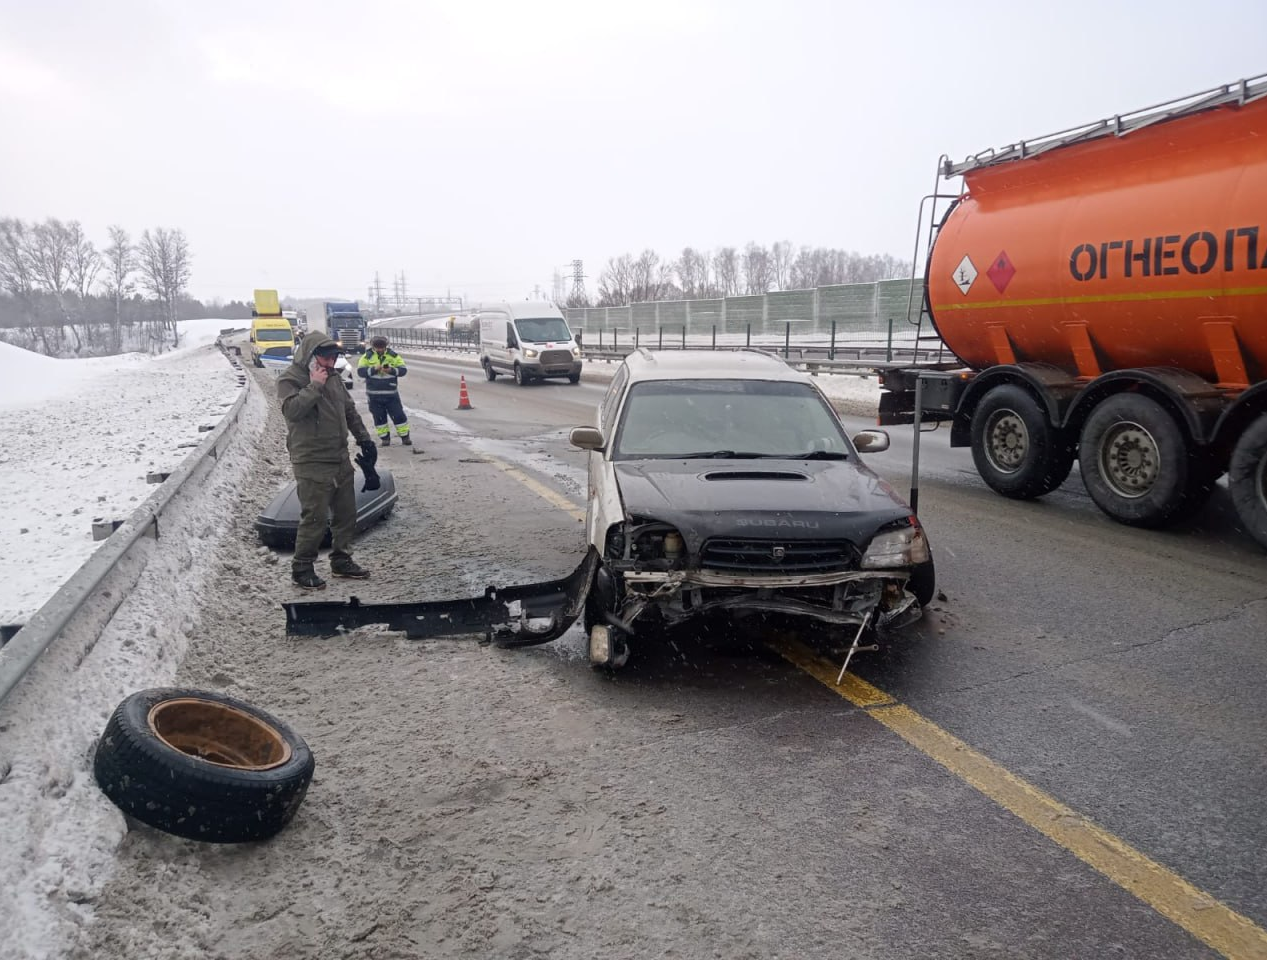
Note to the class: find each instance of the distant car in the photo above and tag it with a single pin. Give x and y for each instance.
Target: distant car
(346, 371)
(725, 482)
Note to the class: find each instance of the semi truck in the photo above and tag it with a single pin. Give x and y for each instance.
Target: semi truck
(340, 320)
(1101, 294)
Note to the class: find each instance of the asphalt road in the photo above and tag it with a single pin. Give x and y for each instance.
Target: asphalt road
(714, 800)
(1117, 669)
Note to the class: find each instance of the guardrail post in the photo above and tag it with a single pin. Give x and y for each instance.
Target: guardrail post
(661, 345)
(615, 339)
(888, 350)
(600, 338)
(748, 338)
(787, 339)
(636, 337)
(714, 336)
(831, 353)
(683, 336)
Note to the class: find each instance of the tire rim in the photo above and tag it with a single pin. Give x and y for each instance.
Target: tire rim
(1129, 460)
(219, 734)
(1007, 441)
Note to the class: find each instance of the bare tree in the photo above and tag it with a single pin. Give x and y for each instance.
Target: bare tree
(757, 271)
(616, 281)
(120, 262)
(694, 275)
(85, 262)
(17, 272)
(781, 264)
(646, 277)
(726, 271)
(163, 258)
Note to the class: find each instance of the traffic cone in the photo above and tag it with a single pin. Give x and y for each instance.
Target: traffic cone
(464, 400)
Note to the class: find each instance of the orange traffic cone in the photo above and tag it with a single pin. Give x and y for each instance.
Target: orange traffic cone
(464, 400)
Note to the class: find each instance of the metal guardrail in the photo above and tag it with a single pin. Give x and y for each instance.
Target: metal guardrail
(56, 615)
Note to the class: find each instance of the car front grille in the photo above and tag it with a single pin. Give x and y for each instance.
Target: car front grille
(556, 358)
(277, 351)
(779, 556)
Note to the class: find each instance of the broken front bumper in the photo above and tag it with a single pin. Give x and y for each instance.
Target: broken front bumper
(852, 597)
(518, 616)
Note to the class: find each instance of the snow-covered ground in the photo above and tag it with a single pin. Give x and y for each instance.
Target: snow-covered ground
(77, 439)
(74, 432)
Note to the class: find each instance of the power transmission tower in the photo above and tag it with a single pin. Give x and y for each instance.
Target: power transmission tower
(378, 293)
(556, 289)
(578, 281)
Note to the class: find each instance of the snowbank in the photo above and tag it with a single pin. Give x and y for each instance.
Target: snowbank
(77, 438)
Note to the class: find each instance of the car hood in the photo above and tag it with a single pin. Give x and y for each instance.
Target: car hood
(763, 499)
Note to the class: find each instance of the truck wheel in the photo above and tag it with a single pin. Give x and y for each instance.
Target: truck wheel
(574, 378)
(489, 372)
(1017, 451)
(202, 765)
(1247, 476)
(1136, 463)
(520, 377)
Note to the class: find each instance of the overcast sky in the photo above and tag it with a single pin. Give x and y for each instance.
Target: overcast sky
(478, 146)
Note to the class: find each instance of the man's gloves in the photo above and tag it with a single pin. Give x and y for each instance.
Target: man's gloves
(366, 460)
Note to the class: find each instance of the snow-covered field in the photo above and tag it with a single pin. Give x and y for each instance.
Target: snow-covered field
(77, 439)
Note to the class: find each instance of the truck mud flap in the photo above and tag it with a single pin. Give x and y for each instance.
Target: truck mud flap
(518, 616)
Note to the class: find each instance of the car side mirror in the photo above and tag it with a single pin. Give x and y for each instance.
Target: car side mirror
(872, 441)
(587, 438)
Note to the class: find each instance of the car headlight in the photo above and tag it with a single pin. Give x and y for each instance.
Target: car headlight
(530, 354)
(576, 351)
(899, 547)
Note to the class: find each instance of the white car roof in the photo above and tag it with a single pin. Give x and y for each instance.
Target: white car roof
(522, 309)
(745, 364)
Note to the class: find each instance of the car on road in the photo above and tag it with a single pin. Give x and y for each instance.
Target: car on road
(725, 482)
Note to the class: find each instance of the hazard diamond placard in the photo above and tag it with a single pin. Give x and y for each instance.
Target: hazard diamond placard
(965, 274)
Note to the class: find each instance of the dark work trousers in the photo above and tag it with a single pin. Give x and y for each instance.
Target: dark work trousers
(384, 405)
(325, 490)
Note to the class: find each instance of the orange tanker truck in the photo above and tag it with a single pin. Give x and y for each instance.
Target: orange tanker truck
(1106, 289)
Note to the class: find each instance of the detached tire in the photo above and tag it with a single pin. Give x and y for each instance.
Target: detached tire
(1136, 463)
(1247, 477)
(202, 765)
(1016, 450)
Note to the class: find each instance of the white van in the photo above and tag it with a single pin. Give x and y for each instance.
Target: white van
(528, 340)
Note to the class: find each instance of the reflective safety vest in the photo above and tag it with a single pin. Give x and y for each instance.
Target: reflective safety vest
(380, 370)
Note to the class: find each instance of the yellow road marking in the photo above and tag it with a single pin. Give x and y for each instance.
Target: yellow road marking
(537, 487)
(1210, 921)
(1210, 294)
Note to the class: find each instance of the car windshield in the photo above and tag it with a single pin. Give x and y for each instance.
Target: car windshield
(273, 334)
(543, 330)
(733, 419)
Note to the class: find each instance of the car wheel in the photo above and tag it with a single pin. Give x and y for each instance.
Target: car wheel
(923, 583)
(489, 372)
(574, 378)
(520, 377)
(202, 765)
(1136, 463)
(1018, 453)
(1247, 477)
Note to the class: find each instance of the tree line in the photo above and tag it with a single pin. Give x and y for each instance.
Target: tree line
(730, 272)
(66, 296)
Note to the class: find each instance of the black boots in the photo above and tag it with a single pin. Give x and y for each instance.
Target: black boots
(347, 567)
(305, 578)
(405, 441)
(387, 441)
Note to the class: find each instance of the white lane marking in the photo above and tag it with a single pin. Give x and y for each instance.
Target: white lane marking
(1105, 721)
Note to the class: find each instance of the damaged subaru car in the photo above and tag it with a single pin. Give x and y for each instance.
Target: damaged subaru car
(719, 483)
(725, 482)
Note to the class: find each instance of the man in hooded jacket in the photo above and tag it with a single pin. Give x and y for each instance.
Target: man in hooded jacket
(319, 413)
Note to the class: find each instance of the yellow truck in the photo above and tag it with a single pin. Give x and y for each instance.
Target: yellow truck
(272, 337)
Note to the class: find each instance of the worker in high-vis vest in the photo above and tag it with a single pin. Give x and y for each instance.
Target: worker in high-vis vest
(381, 368)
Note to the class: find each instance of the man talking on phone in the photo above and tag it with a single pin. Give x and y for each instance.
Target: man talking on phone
(319, 414)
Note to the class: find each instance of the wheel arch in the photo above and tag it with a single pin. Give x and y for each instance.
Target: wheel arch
(1052, 389)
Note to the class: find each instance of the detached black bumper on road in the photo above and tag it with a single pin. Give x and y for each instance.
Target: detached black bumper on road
(518, 616)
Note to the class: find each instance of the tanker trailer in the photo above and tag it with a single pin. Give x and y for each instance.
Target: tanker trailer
(1105, 291)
